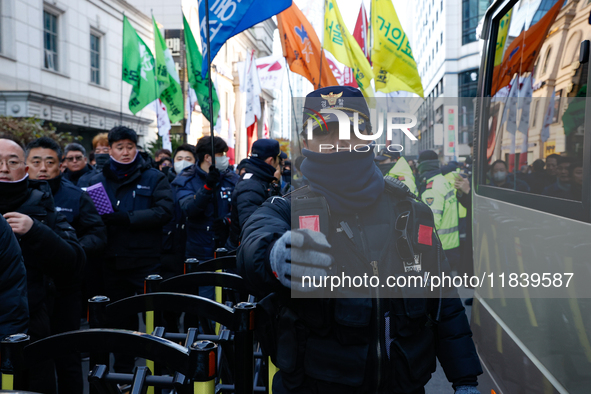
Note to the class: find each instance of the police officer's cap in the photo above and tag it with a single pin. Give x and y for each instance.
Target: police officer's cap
(345, 98)
(265, 148)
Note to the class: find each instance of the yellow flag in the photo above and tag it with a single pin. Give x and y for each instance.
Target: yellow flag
(502, 37)
(393, 64)
(345, 49)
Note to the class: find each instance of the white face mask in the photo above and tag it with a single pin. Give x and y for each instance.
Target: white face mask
(500, 176)
(181, 165)
(221, 163)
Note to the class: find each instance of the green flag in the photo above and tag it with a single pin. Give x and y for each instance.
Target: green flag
(169, 86)
(138, 69)
(199, 84)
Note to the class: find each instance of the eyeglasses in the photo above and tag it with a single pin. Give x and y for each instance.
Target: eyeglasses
(74, 158)
(12, 164)
(403, 243)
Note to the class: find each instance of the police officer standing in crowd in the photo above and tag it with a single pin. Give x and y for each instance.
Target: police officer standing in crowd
(43, 159)
(351, 220)
(48, 243)
(142, 202)
(440, 196)
(256, 185)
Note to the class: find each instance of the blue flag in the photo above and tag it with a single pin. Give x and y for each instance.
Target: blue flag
(230, 17)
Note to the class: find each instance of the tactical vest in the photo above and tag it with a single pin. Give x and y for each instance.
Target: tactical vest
(440, 196)
(368, 342)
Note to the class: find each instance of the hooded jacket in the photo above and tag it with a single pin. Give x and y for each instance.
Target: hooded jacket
(252, 189)
(195, 203)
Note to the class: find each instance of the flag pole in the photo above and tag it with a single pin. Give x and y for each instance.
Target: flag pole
(156, 87)
(295, 118)
(121, 86)
(209, 85)
(321, 52)
(183, 87)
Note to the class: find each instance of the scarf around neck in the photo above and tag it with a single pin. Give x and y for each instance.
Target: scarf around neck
(428, 165)
(123, 170)
(350, 181)
(13, 194)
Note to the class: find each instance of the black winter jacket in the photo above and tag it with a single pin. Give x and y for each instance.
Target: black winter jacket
(145, 195)
(252, 189)
(74, 177)
(339, 340)
(14, 309)
(79, 210)
(51, 247)
(196, 204)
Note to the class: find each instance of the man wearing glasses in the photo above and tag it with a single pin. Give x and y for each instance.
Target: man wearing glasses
(43, 159)
(48, 242)
(75, 162)
(350, 222)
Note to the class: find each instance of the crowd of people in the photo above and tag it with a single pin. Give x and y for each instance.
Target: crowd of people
(59, 246)
(58, 250)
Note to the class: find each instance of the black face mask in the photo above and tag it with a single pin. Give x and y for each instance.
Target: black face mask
(286, 173)
(101, 159)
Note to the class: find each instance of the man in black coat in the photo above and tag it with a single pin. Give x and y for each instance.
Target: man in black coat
(49, 245)
(43, 159)
(142, 201)
(75, 162)
(14, 310)
(351, 221)
(256, 185)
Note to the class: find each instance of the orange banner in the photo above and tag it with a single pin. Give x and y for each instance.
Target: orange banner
(523, 51)
(301, 48)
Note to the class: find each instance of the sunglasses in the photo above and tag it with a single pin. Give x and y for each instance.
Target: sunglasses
(403, 243)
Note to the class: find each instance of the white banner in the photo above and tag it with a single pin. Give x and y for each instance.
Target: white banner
(450, 131)
(251, 85)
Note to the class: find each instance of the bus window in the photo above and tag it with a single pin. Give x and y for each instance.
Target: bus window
(537, 90)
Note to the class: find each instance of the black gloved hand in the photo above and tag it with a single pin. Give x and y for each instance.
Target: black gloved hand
(116, 219)
(221, 229)
(212, 181)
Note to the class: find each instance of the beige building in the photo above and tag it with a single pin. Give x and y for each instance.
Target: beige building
(557, 70)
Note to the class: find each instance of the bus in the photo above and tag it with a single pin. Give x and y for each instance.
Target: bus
(532, 197)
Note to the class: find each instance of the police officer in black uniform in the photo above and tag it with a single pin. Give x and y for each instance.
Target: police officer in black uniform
(350, 220)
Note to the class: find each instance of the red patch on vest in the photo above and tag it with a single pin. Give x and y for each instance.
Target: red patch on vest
(311, 222)
(430, 185)
(401, 178)
(425, 235)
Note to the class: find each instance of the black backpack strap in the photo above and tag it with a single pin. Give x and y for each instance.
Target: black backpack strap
(397, 188)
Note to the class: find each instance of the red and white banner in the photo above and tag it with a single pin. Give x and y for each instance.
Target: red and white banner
(251, 85)
(360, 32)
(162, 122)
(271, 70)
(231, 140)
(266, 125)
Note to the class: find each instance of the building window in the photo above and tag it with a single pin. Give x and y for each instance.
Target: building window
(472, 12)
(436, 16)
(95, 59)
(436, 46)
(546, 61)
(50, 41)
(441, 5)
(441, 38)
